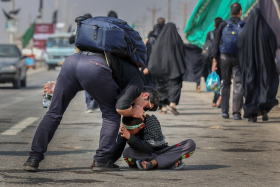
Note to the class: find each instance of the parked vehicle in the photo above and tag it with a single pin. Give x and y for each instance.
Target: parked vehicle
(58, 48)
(12, 66)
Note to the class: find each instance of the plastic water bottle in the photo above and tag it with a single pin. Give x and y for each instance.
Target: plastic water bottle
(47, 98)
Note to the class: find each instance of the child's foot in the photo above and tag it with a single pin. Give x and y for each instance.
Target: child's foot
(177, 165)
(144, 165)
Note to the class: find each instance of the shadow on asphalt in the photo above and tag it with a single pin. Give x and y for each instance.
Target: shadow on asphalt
(213, 113)
(270, 122)
(26, 153)
(7, 88)
(203, 167)
(23, 88)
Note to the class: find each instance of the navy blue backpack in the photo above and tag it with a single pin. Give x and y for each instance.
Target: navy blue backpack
(229, 37)
(111, 35)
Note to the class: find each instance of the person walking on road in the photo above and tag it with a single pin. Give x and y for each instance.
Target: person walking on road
(210, 37)
(256, 47)
(150, 41)
(226, 35)
(167, 66)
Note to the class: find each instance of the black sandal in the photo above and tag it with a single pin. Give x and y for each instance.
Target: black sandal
(139, 165)
(174, 111)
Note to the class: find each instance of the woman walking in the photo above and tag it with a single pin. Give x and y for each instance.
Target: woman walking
(256, 48)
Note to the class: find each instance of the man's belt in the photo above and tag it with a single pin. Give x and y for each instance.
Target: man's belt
(93, 54)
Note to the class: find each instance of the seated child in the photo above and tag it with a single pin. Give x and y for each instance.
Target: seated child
(148, 148)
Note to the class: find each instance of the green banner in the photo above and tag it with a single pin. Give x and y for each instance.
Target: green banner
(132, 25)
(202, 18)
(28, 35)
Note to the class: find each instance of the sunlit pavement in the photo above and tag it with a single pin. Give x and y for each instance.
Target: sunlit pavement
(228, 152)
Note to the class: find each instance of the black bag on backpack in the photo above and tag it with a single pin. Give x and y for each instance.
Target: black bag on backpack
(207, 48)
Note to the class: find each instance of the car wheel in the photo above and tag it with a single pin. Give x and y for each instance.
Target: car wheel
(16, 83)
(49, 67)
(23, 82)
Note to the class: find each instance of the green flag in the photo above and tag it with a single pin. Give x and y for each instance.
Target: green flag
(133, 25)
(28, 35)
(202, 18)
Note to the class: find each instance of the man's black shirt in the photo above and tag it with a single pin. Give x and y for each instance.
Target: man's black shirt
(132, 81)
(218, 35)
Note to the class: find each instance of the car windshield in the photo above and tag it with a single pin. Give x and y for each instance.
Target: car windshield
(8, 51)
(58, 42)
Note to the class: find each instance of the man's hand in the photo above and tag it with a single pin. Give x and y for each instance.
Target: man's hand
(146, 71)
(124, 132)
(46, 88)
(214, 65)
(138, 112)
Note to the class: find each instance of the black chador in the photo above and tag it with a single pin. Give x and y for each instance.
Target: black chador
(153, 35)
(167, 66)
(256, 47)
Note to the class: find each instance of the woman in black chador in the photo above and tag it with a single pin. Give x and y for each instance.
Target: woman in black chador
(256, 47)
(153, 35)
(167, 66)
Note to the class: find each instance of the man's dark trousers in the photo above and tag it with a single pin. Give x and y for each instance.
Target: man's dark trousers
(230, 67)
(89, 73)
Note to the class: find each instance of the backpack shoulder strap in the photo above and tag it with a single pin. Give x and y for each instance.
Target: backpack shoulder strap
(111, 63)
(228, 22)
(211, 35)
(240, 23)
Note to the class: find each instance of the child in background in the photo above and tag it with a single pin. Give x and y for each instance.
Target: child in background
(148, 148)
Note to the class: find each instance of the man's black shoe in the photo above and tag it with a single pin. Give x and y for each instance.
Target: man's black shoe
(109, 166)
(31, 164)
(265, 116)
(225, 115)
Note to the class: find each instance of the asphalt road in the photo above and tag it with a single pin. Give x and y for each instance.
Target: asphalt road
(228, 153)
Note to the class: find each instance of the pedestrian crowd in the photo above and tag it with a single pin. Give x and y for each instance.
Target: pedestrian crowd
(240, 51)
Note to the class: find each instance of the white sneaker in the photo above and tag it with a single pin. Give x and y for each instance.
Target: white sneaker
(89, 111)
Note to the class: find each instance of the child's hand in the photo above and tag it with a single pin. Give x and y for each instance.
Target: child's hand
(124, 132)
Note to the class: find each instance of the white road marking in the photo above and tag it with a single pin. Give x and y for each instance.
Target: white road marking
(20, 126)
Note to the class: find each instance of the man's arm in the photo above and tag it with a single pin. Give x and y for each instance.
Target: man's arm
(136, 111)
(218, 35)
(215, 50)
(132, 90)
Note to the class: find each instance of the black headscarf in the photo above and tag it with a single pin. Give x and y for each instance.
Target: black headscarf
(256, 46)
(167, 58)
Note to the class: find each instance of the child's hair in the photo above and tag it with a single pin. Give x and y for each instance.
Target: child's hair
(130, 121)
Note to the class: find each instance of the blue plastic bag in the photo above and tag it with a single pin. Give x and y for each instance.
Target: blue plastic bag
(29, 61)
(213, 83)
